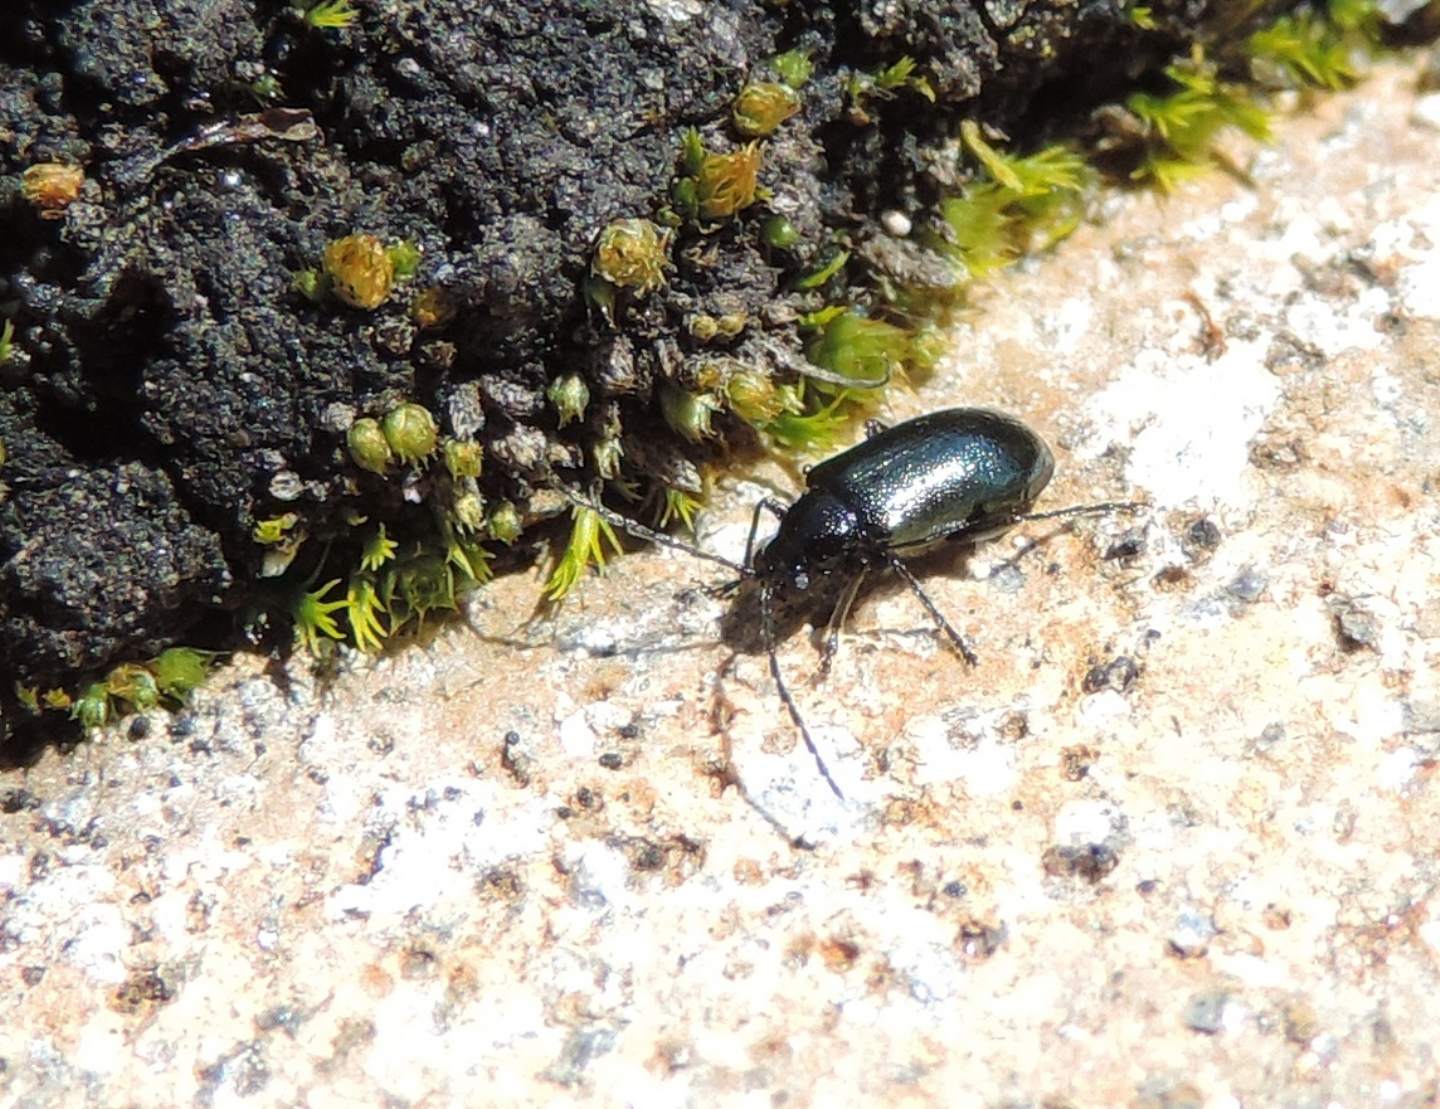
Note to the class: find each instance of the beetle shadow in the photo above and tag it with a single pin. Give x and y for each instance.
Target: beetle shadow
(741, 629)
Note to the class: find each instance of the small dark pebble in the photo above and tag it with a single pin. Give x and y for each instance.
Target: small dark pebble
(650, 856)
(1200, 539)
(1092, 861)
(1118, 674)
(1354, 627)
(18, 800)
(1130, 544)
(139, 727)
(612, 760)
(954, 889)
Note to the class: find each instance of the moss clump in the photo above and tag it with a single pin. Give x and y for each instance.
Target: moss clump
(716, 185)
(331, 15)
(369, 448)
(585, 548)
(359, 270)
(762, 107)
(1022, 203)
(632, 254)
(410, 432)
(1182, 124)
(51, 187)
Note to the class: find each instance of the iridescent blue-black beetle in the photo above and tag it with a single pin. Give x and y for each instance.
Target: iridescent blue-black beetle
(955, 476)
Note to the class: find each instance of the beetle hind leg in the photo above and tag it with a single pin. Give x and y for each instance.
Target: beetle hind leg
(935, 614)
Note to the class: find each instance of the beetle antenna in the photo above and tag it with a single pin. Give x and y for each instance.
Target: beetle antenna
(805, 368)
(650, 535)
(767, 632)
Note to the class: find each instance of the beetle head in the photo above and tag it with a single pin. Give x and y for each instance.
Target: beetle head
(818, 535)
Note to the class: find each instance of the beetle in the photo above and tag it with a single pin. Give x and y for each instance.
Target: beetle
(958, 475)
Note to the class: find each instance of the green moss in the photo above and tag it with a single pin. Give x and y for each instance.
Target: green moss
(679, 506)
(1182, 125)
(585, 548)
(275, 529)
(363, 609)
(867, 351)
(833, 264)
(882, 84)
(762, 107)
(331, 15)
(1023, 203)
(314, 618)
(688, 414)
(794, 67)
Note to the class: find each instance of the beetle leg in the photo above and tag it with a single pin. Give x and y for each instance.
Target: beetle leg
(935, 614)
(765, 504)
(767, 633)
(1081, 510)
(838, 616)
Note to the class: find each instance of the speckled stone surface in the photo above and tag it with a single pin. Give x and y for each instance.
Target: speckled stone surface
(1171, 842)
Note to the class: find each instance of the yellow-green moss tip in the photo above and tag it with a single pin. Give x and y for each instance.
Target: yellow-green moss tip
(272, 531)
(569, 396)
(464, 458)
(794, 67)
(363, 609)
(315, 620)
(687, 413)
(867, 351)
(179, 671)
(503, 523)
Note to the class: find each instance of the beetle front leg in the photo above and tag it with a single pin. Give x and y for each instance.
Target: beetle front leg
(765, 504)
(935, 614)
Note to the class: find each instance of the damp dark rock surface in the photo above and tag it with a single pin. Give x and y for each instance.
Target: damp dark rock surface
(169, 388)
